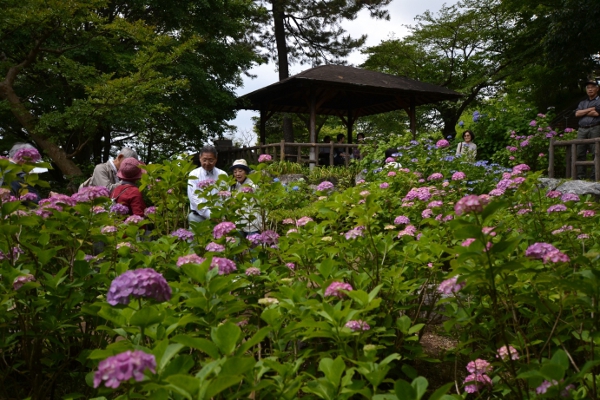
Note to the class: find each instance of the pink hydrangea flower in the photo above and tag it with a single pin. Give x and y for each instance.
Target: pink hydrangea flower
(190, 259)
(384, 185)
(215, 247)
(427, 213)
(450, 286)
(391, 173)
(436, 176)
(479, 366)
(291, 266)
(252, 271)
(325, 185)
(442, 143)
(471, 203)
(476, 382)
(458, 176)
(569, 197)
(264, 158)
(552, 194)
(467, 242)
(27, 154)
(505, 353)
(303, 221)
(557, 208)
(587, 213)
(357, 325)
(21, 280)
(223, 229)
(334, 289)
(409, 230)
(205, 183)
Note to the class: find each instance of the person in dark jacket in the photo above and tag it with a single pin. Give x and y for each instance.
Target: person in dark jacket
(127, 193)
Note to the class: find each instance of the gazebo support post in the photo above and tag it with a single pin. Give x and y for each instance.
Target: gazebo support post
(312, 129)
(413, 117)
(263, 125)
(349, 125)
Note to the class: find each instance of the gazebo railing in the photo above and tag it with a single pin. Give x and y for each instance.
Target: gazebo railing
(571, 157)
(302, 153)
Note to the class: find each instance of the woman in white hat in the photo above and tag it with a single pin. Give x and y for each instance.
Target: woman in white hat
(250, 218)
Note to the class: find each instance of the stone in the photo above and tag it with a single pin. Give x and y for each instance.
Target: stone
(578, 187)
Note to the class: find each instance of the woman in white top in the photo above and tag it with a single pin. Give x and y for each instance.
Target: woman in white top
(467, 149)
(248, 215)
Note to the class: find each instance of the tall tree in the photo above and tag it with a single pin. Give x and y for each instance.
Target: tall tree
(310, 32)
(81, 76)
(462, 47)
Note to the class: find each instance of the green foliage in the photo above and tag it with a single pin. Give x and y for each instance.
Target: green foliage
(275, 326)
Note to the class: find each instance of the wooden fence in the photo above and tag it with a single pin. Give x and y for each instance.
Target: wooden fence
(571, 157)
(313, 154)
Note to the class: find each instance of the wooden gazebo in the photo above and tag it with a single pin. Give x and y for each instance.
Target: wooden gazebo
(342, 91)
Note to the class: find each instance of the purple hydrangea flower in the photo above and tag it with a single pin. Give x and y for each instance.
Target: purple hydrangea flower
(223, 229)
(269, 237)
(557, 208)
(539, 250)
(291, 265)
(533, 123)
(123, 367)
(138, 283)
(325, 185)
(555, 256)
(21, 280)
(215, 247)
(357, 325)
(435, 203)
(27, 154)
(450, 286)
(354, 233)
(150, 210)
(427, 213)
(89, 193)
(205, 183)
(587, 213)
(467, 242)
(118, 208)
(569, 197)
(29, 196)
(190, 259)
(252, 271)
(384, 185)
(247, 189)
(224, 193)
(334, 289)
(552, 194)
(182, 234)
(401, 219)
(224, 265)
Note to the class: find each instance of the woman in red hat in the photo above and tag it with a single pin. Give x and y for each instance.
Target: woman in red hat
(127, 193)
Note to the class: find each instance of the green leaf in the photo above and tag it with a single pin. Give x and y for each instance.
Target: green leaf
(201, 344)
(415, 328)
(196, 272)
(254, 340)
(169, 353)
(404, 390)
(113, 315)
(333, 369)
(226, 337)
(420, 385)
(553, 371)
(561, 358)
(221, 383)
(491, 208)
(403, 323)
(439, 393)
(188, 383)
(325, 267)
(147, 316)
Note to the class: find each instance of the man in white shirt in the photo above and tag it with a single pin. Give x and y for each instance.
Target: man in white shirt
(203, 176)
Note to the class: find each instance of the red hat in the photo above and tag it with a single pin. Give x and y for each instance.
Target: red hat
(129, 169)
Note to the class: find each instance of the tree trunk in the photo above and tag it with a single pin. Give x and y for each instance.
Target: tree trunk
(28, 121)
(282, 61)
(450, 119)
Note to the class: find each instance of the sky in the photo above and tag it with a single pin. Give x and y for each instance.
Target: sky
(402, 12)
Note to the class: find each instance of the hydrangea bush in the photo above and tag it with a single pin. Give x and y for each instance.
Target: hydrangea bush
(334, 305)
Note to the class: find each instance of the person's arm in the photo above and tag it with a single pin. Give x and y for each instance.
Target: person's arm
(591, 112)
(137, 204)
(459, 149)
(103, 177)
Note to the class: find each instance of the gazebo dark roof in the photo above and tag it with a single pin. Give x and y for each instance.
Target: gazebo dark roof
(340, 89)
